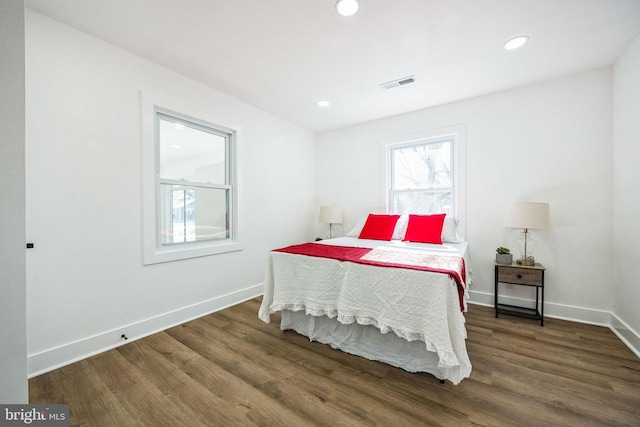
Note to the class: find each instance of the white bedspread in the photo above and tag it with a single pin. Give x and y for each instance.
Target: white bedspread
(415, 305)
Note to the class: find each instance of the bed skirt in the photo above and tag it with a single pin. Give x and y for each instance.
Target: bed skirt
(367, 341)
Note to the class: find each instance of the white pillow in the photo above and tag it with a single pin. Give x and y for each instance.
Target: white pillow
(401, 228)
(355, 231)
(450, 231)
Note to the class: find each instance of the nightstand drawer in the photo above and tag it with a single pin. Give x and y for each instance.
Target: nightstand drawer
(520, 275)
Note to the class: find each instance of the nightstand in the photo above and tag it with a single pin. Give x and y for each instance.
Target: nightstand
(526, 275)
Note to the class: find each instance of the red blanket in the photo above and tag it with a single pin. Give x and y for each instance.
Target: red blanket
(414, 260)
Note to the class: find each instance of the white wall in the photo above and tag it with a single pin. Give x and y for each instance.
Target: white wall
(549, 142)
(13, 304)
(86, 281)
(626, 193)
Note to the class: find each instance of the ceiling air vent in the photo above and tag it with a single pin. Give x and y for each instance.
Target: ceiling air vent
(399, 82)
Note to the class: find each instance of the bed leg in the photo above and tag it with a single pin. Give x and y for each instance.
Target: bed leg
(441, 381)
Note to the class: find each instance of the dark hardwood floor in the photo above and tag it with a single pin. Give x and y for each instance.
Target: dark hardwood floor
(229, 368)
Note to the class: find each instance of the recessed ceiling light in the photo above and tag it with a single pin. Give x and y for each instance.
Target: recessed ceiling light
(516, 42)
(347, 7)
(323, 103)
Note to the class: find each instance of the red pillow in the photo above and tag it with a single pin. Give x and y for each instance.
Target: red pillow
(379, 227)
(425, 228)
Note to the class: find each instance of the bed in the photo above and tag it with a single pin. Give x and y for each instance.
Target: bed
(376, 299)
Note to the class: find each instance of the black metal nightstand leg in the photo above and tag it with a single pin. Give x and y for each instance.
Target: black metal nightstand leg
(495, 290)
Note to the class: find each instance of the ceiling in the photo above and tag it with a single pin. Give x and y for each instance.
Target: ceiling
(282, 56)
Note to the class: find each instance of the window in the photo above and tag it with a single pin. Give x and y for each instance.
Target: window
(189, 183)
(194, 180)
(421, 177)
(424, 173)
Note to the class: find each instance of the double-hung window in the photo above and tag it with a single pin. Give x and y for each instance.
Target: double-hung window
(421, 177)
(425, 173)
(189, 184)
(194, 181)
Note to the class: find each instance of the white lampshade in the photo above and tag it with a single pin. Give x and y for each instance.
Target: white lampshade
(330, 215)
(527, 215)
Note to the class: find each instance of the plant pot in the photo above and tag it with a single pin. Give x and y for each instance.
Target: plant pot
(504, 258)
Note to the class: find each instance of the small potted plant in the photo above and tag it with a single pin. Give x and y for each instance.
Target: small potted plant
(503, 256)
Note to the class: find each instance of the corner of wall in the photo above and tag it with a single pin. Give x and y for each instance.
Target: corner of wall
(589, 316)
(628, 336)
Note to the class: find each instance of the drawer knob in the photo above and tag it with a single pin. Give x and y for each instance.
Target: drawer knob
(519, 276)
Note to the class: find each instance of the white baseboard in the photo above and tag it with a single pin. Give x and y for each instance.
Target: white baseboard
(571, 313)
(628, 336)
(48, 360)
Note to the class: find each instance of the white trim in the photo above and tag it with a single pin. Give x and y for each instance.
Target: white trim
(153, 253)
(57, 357)
(627, 335)
(584, 315)
(458, 132)
(556, 311)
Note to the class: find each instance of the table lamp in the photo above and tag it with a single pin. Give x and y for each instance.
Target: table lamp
(526, 215)
(330, 215)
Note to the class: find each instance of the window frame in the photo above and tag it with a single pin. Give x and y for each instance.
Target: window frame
(455, 134)
(392, 192)
(154, 251)
(160, 114)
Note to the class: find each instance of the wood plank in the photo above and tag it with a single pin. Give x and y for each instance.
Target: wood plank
(230, 368)
(90, 400)
(145, 404)
(274, 388)
(203, 408)
(387, 406)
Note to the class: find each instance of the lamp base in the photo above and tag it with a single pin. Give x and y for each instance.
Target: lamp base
(527, 261)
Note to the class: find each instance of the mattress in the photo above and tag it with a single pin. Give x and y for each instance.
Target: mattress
(407, 318)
